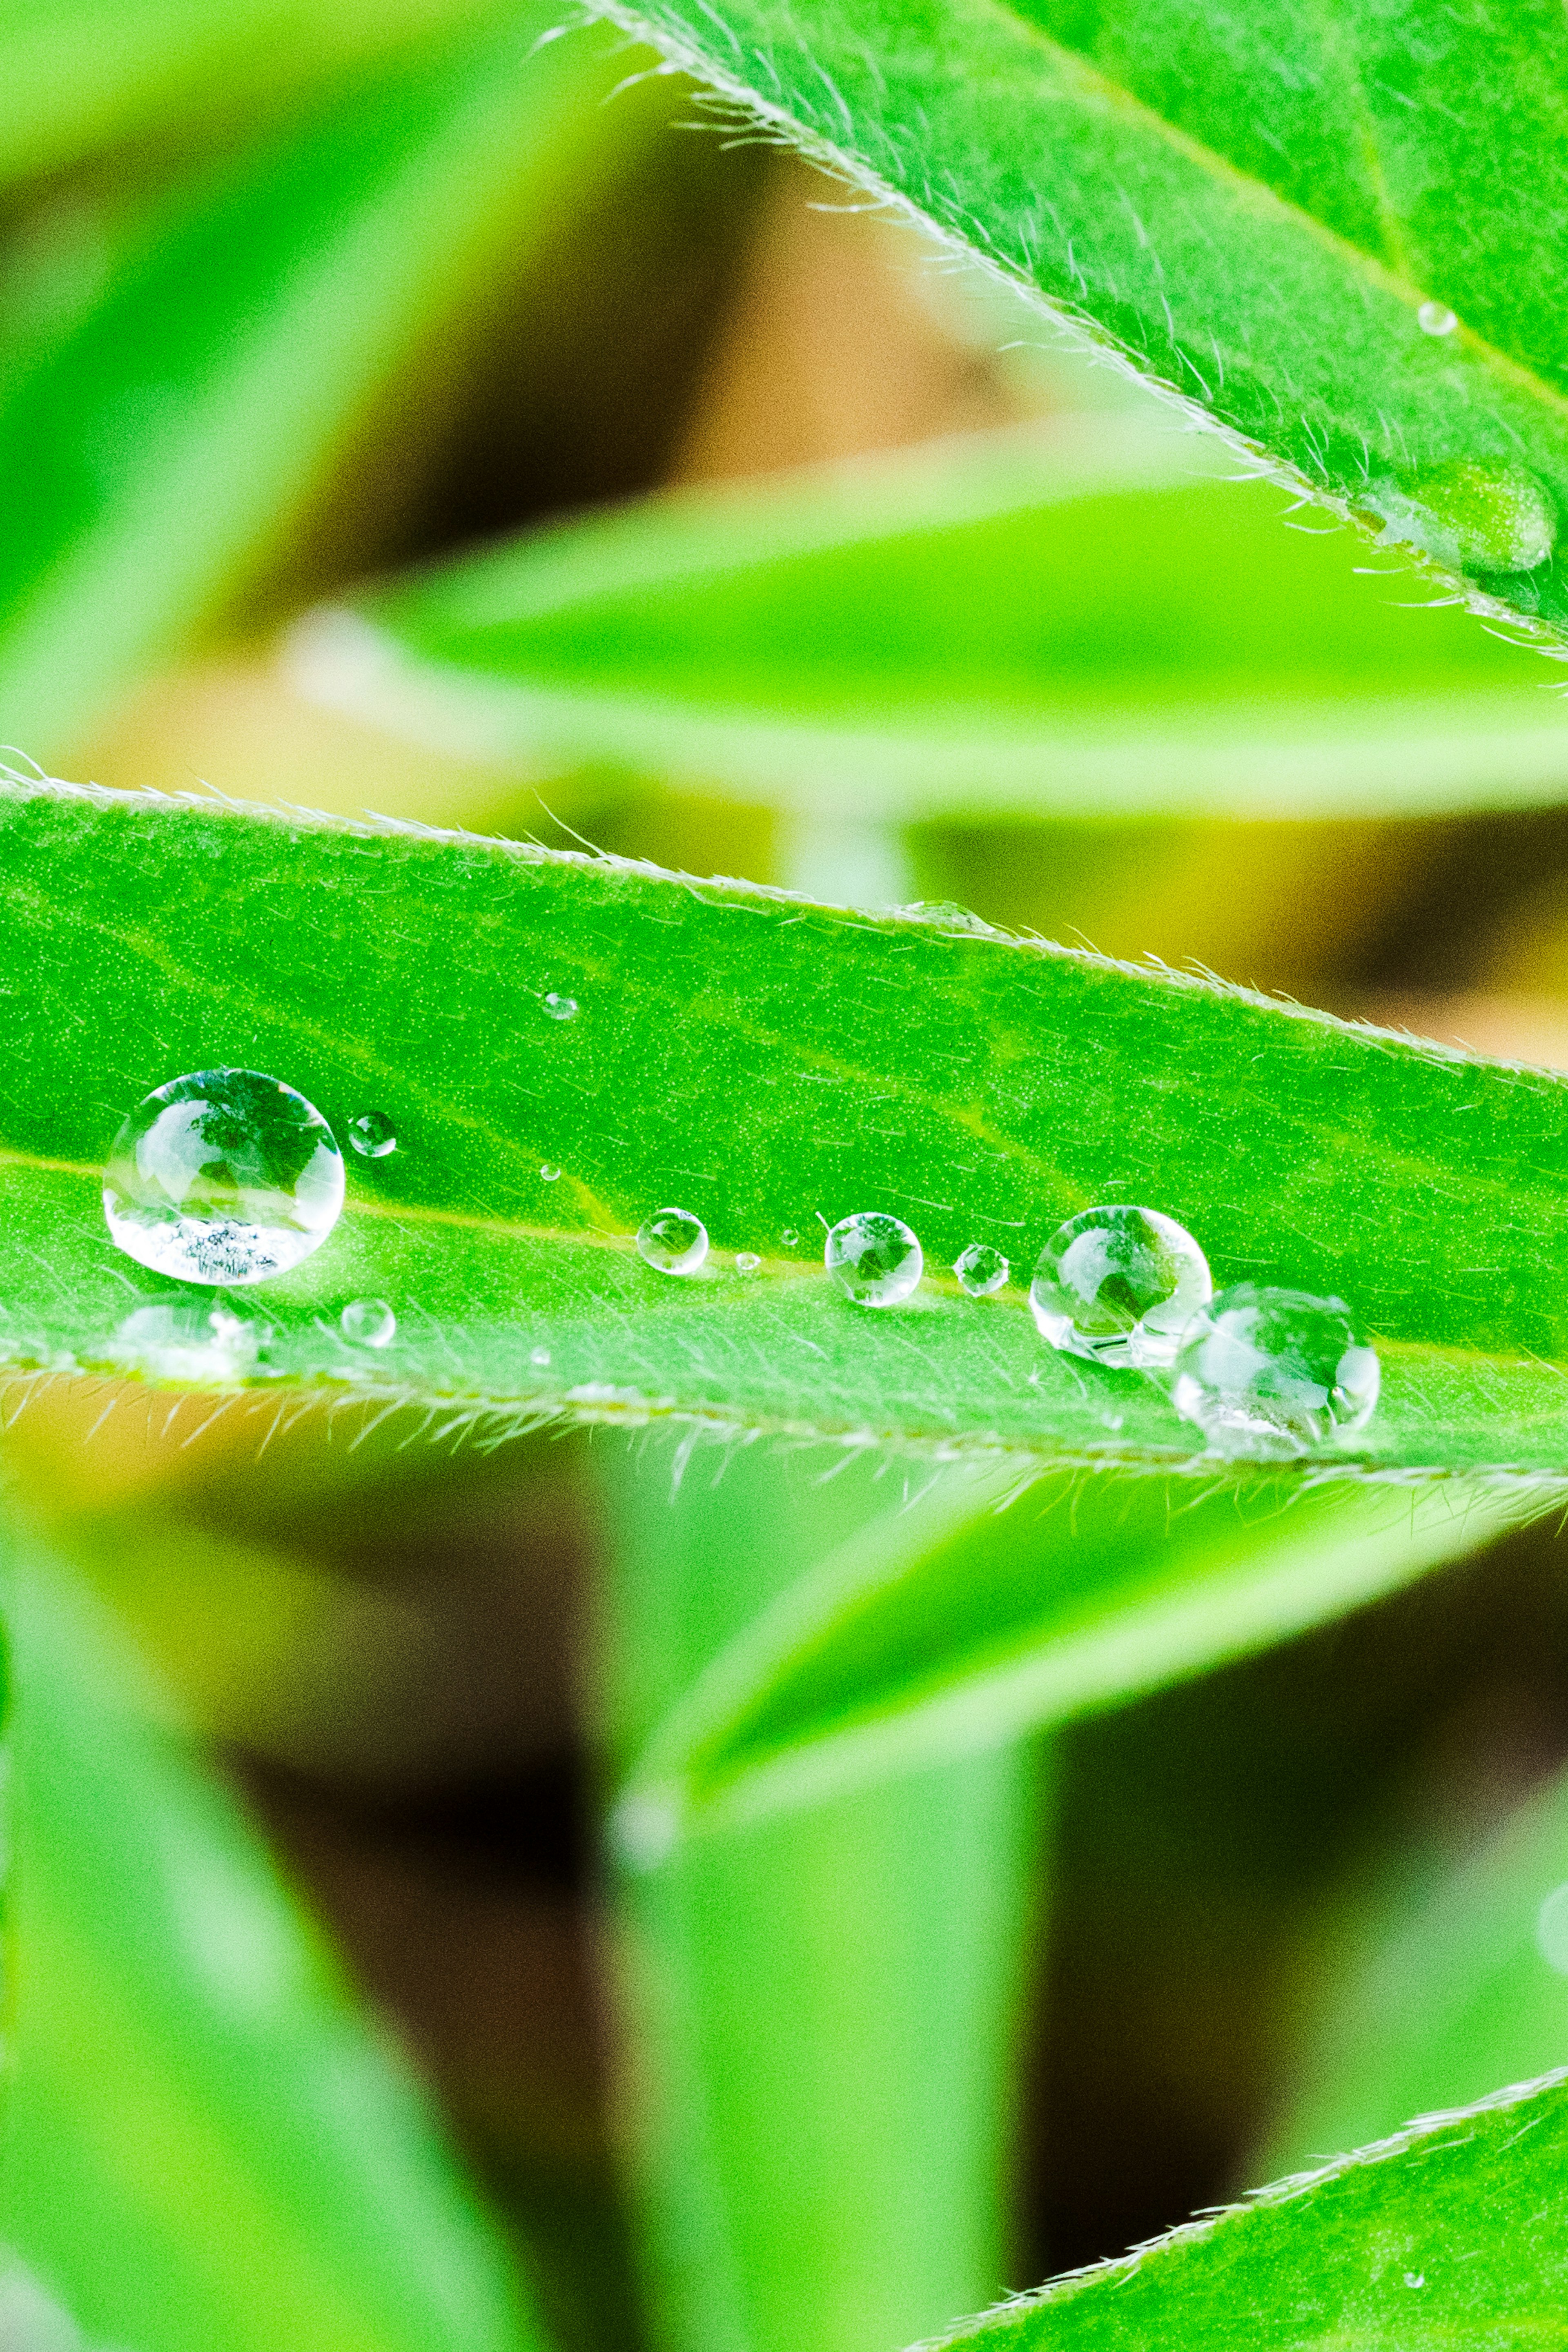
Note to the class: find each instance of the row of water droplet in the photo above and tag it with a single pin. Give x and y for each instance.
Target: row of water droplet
(230, 1176)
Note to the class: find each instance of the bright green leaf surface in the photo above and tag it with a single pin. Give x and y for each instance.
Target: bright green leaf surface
(968, 1628)
(1451, 1979)
(161, 438)
(1448, 2234)
(1080, 618)
(1255, 207)
(824, 2013)
(203, 2148)
(763, 1063)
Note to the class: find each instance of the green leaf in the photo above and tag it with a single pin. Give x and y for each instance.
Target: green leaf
(1448, 2233)
(762, 1062)
(161, 437)
(825, 2014)
(914, 1643)
(204, 2149)
(1255, 210)
(1443, 1980)
(1083, 619)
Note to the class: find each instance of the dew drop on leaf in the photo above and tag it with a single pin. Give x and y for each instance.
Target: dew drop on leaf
(1272, 1373)
(373, 1135)
(980, 1269)
(1436, 319)
(1472, 514)
(673, 1241)
(550, 1172)
(1118, 1285)
(875, 1259)
(369, 1323)
(790, 1238)
(561, 1008)
(225, 1176)
(747, 1261)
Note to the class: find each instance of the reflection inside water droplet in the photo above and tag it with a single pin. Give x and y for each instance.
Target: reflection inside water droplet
(672, 1241)
(1272, 1373)
(225, 1176)
(373, 1135)
(561, 1008)
(875, 1258)
(980, 1269)
(1118, 1285)
(369, 1323)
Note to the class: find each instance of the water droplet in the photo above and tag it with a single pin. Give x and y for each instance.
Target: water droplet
(369, 1323)
(947, 912)
(186, 1340)
(1436, 319)
(1472, 514)
(550, 1172)
(373, 1135)
(541, 1356)
(561, 1008)
(1414, 2278)
(1272, 1372)
(673, 1241)
(224, 1176)
(747, 1261)
(1552, 1930)
(790, 1238)
(875, 1259)
(1118, 1285)
(980, 1269)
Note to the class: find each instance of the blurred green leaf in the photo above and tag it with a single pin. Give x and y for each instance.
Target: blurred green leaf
(1448, 2234)
(163, 432)
(911, 1644)
(1081, 618)
(204, 2149)
(824, 2015)
(1339, 234)
(1442, 1979)
(764, 1064)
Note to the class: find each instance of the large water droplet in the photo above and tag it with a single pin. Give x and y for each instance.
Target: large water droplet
(186, 1340)
(673, 1241)
(561, 1008)
(227, 1176)
(875, 1259)
(1273, 1372)
(1118, 1285)
(1436, 319)
(373, 1135)
(1472, 514)
(369, 1323)
(980, 1269)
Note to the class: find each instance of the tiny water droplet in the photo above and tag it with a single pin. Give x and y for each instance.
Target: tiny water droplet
(373, 1135)
(541, 1356)
(225, 1176)
(790, 1238)
(1274, 1373)
(947, 912)
(875, 1259)
(673, 1241)
(561, 1008)
(185, 1339)
(980, 1269)
(1472, 514)
(369, 1323)
(747, 1261)
(1436, 319)
(1552, 1930)
(1414, 2278)
(1118, 1285)
(550, 1172)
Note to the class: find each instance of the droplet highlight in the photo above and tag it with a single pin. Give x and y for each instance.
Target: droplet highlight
(224, 1176)
(369, 1323)
(747, 1261)
(875, 1259)
(1436, 319)
(562, 1008)
(1274, 1373)
(373, 1135)
(672, 1241)
(980, 1269)
(1118, 1285)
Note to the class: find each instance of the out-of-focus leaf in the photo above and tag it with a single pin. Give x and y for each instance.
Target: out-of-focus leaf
(1446, 1979)
(166, 435)
(1083, 618)
(204, 2149)
(1448, 2233)
(764, 1064)
(909, 1645)
(1338, 232)
(821, 2016)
